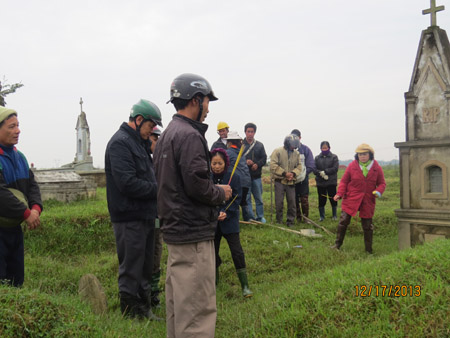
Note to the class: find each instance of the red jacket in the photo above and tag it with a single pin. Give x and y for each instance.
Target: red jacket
(356, 190)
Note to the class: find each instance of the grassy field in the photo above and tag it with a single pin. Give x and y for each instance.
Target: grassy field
(310, 291)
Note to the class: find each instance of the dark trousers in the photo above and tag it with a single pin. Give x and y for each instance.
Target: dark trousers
(323, 192)
(135, 247)
(11, 256)
(158, 251)
(280, 190)
(234, 243)
(301, 189)
(301, 198)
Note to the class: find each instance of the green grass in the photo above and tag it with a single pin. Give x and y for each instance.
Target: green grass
(298, 292)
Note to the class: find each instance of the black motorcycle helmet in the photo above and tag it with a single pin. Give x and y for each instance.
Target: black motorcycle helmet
(187, 86)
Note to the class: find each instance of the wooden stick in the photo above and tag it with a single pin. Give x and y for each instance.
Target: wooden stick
(229, 205)
(274, 226)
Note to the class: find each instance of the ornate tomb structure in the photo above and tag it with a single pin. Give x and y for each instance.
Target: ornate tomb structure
(425, 155)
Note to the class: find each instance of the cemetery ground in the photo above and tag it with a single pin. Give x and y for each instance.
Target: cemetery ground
(311, 291)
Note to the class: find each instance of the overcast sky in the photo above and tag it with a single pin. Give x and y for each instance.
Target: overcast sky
(335, 70)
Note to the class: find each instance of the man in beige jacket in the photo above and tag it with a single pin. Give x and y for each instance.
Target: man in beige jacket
(285, 165)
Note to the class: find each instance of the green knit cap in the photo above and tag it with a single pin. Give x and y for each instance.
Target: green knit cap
(5, 112)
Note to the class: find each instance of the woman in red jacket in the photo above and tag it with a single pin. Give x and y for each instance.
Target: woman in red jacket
(362, 183)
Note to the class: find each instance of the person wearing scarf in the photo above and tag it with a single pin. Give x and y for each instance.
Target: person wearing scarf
(327, 166)
(362, 183)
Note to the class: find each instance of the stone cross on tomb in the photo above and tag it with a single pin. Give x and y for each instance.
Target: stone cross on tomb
(433, 10)
(81, 103)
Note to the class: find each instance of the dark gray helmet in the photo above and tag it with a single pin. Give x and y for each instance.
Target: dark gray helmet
(291, 141)
(186, 86)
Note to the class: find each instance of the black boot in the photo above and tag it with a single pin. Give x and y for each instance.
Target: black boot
(334, 208)
(321, 213)
(131, 306)
(242, 274)
(368, 236)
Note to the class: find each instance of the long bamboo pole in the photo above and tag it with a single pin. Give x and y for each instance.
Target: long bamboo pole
(319, 226)
(236, 164)
(274, 226)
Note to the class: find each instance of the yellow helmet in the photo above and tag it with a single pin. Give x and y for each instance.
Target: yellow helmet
(364, 148)
(222, 125)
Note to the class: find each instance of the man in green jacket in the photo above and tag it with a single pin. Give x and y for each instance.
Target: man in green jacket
(285, 166)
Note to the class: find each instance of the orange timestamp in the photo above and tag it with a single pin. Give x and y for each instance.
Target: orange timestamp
(388, 290)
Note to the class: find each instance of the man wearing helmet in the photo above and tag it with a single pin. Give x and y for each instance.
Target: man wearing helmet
(285, 166)
(187, 200)
(222, 129)
(302, 186)
(131, 193)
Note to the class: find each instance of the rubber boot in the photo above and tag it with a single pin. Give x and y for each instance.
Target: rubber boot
(321, 213)
(368, 233)
(344, 221)
(145, 301)
(242, 275)
(154, 295)
(217, 276)
(368, 236)
(334, 208)
(305, 208)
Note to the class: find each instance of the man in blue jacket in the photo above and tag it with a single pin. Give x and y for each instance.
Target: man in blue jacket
(20, 200)
(131, 193)
(256, 158)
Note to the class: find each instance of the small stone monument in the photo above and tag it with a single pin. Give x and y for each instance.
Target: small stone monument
(91, 291)
(83, 159)
(424, 213)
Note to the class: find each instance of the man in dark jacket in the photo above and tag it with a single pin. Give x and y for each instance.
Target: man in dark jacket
(187, 200)
(131, 193)
(256, 158)
(20, 200)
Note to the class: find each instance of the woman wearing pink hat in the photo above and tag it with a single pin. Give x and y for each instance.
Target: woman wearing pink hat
(362, 183)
